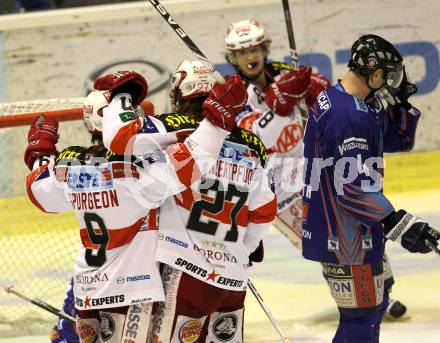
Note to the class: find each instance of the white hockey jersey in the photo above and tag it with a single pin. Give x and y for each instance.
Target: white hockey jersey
(283, 136)
(115, 200)
(209, 229)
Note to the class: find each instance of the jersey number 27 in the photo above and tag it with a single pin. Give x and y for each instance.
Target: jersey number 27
(200, 207)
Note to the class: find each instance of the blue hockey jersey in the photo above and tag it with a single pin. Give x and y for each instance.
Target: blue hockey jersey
(344, 142)
(65, 331)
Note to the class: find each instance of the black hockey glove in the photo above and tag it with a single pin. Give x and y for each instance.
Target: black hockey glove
(410, 231)
(400, 95)
(258, 254)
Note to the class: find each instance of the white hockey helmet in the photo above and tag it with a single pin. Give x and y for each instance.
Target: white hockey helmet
(245, 34)
(191, 80)
(92, 110)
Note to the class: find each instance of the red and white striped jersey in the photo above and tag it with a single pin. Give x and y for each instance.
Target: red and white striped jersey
(283, 136)
(209, 229)
(115, 200)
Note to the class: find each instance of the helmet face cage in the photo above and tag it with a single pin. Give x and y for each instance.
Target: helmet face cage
(92, 110)
(371, 52)
(191, 80)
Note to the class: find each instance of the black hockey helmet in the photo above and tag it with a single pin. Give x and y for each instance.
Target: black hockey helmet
(371, 52)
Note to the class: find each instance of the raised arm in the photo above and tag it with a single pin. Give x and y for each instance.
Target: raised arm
(42, 187)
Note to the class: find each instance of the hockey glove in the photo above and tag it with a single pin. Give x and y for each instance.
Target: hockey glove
(258, 254)
(283, 95)
(123, 82)
(318, 83)
(400, 95)
(42, 137)
(411, 232)
(225, 102)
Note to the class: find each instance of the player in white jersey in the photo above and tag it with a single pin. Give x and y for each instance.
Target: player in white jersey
(274, 90)
(114, 197)
(208, 231)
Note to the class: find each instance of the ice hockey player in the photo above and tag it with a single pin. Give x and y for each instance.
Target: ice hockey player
(114, 198)
(207, 232)
(248, 47)
(64, 331)
(274, 91)
(347, 218)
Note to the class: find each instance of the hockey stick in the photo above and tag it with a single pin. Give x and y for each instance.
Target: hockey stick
(292, 235)
(287, 232)
(294, 56)
(40, 303)
(432, 247)
(185, 38)
(267, 311)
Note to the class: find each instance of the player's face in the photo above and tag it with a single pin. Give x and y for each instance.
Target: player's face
(250, 61)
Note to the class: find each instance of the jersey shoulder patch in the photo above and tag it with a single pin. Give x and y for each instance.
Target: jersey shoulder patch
(148, 125)
(177, 121)
(322, 105)
(252, 141)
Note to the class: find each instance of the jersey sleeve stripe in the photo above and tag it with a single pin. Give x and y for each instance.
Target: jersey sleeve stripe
(264, 214)
(123, 141)
(404, 116)
(186, 168)
(152, 219)
(30, 179)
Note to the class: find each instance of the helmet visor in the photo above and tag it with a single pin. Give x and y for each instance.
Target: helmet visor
(394, 77)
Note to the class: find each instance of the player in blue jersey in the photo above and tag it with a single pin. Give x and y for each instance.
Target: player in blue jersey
(64, 330)
(347, 218)
(248, 46)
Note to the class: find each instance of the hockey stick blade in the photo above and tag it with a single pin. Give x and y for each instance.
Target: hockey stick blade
(40, 303)
(268, 312)
(287, 232)
(432, 247)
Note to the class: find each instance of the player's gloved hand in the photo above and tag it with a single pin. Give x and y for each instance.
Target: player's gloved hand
(410, 231)
(258, 254)
(283, 95)
(123, 82)
(225, 102)
(42, 137)
(318, 83)
(400, 95)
